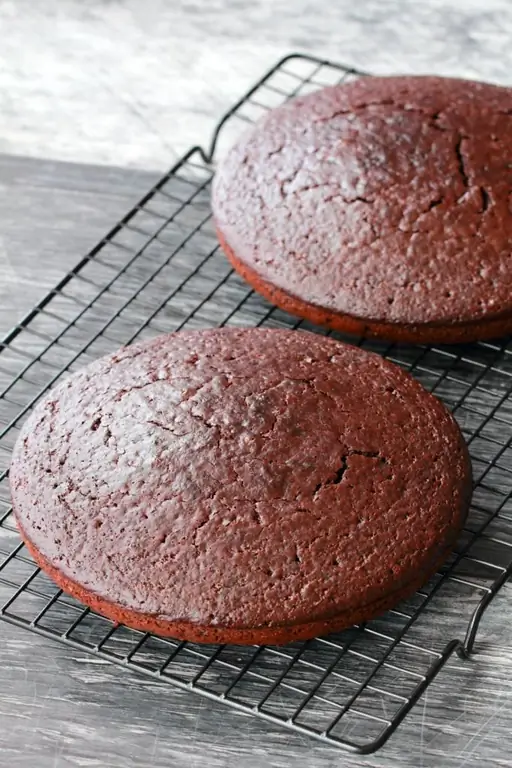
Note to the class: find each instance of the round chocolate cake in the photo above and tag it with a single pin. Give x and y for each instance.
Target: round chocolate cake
(379, 207)
(240, 485)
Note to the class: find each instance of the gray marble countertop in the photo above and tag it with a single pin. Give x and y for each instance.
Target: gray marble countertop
(95, 98)
(133, 83)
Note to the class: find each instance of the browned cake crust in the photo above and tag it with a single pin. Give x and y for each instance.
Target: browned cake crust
(379, 207)
(247, 486)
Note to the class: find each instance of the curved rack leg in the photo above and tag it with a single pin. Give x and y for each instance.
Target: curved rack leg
(465, 649)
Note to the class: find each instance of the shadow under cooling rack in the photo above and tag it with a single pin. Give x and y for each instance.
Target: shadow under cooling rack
(159, 270)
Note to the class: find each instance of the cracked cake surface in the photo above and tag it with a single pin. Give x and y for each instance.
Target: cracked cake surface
(240, 485)
(380, 206)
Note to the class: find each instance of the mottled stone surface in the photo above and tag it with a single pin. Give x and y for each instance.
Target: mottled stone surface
(130, 83)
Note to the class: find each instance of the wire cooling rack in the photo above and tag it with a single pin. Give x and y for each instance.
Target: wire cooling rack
(160, 269)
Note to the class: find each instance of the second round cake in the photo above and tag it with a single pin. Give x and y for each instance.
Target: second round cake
(248, 486)
(378, 207)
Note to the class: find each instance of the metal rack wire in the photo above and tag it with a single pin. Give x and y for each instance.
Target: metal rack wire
(160, 269)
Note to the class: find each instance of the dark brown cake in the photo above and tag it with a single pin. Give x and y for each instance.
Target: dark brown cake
(382, 206)
(244, 486)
